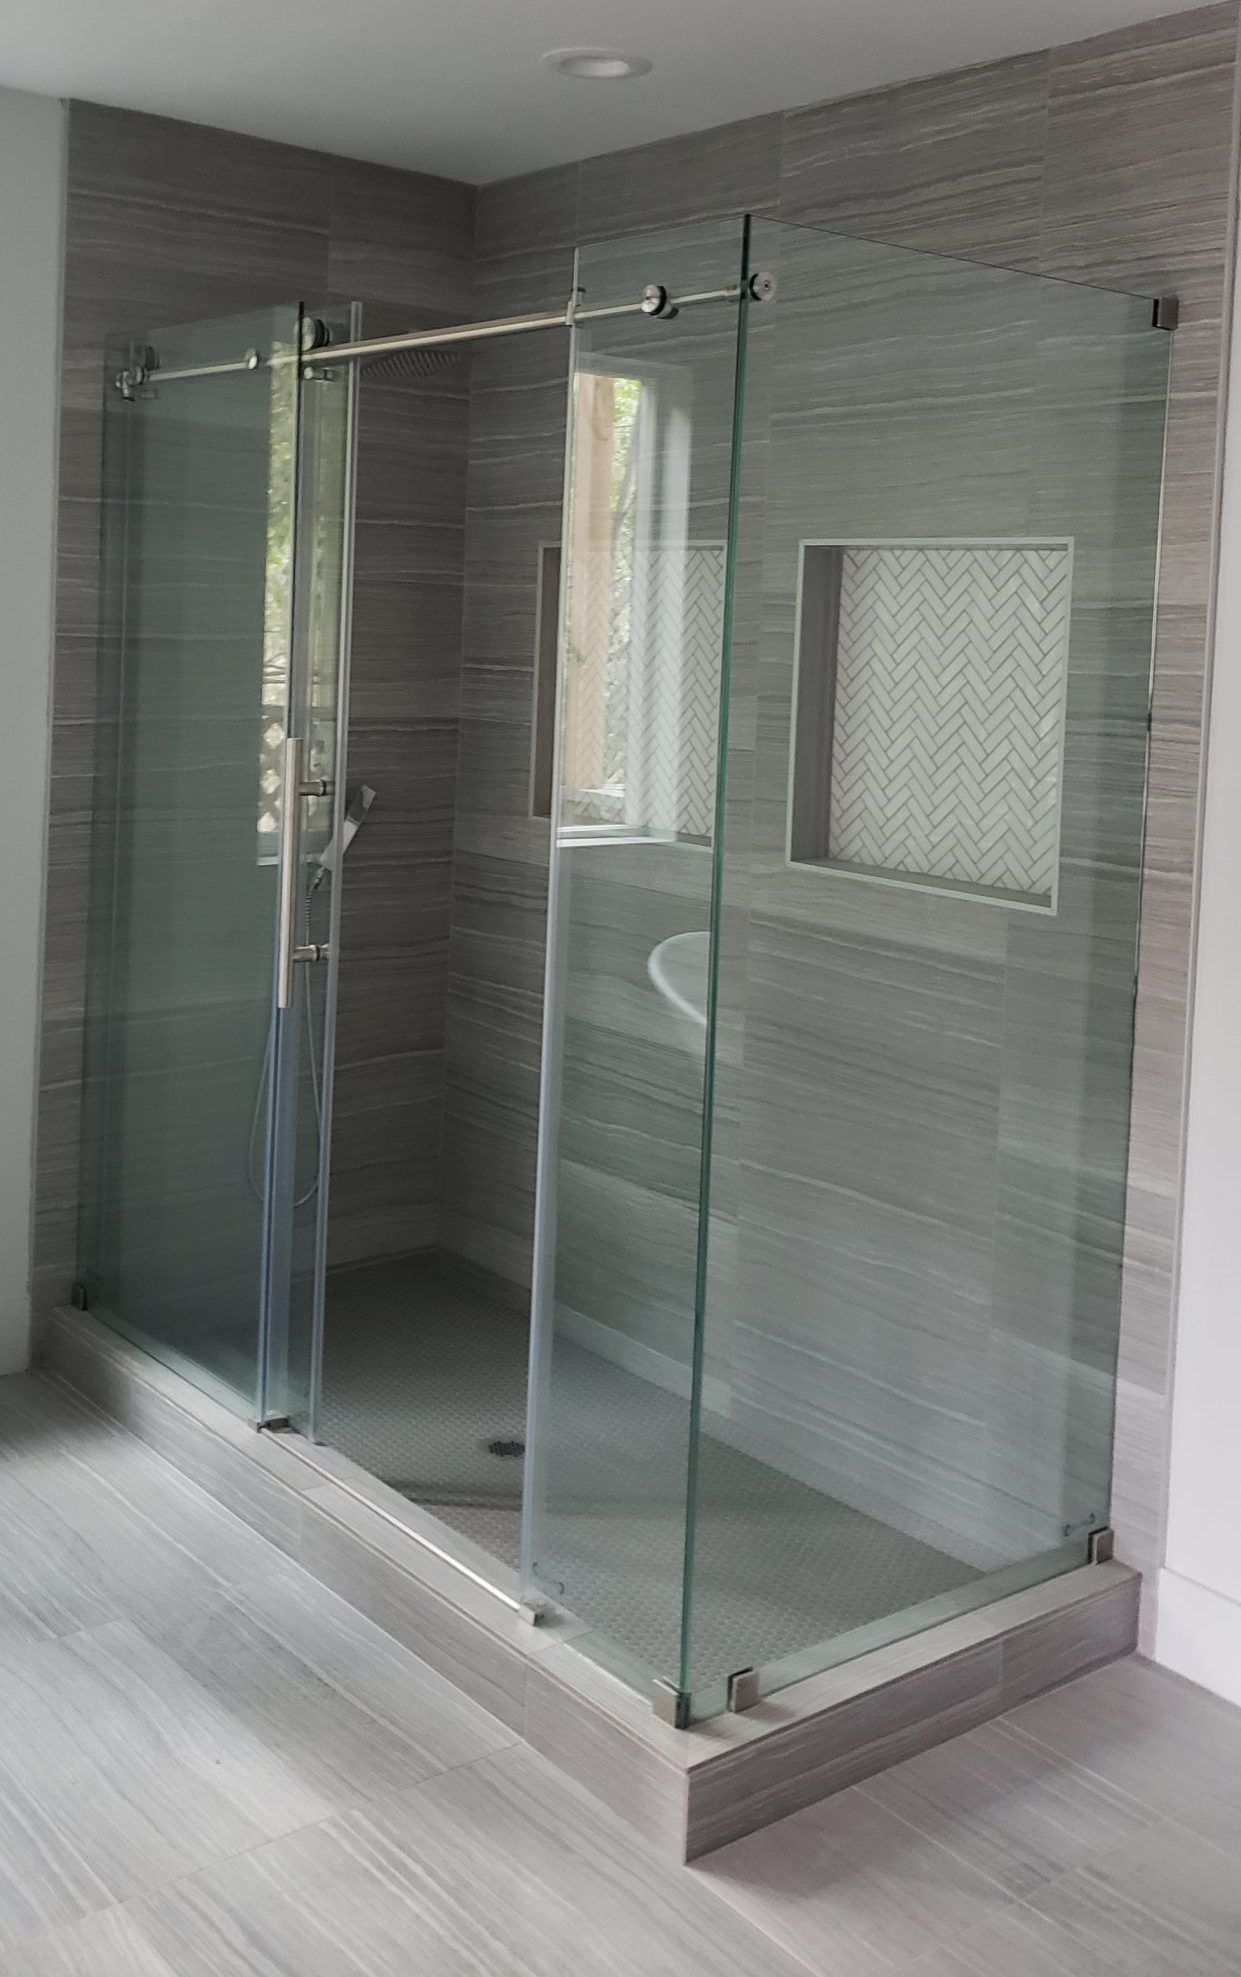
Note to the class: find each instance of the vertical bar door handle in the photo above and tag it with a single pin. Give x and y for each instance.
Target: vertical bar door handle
(290, 868)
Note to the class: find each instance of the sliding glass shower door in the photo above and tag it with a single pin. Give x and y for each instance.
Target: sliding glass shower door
(306, 976)
(217, 731)
(627, 1105)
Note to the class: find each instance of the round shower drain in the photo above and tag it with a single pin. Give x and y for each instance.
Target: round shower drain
(504, 1446)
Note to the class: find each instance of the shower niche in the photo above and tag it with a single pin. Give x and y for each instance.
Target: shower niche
(928, 714)
(648, 1167)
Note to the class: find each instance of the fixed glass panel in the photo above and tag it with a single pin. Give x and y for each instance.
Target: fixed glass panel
(199, 499)
(626, 1062)
(949, 507)
(328, 814)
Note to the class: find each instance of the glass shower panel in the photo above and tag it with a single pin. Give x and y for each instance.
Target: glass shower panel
(940, 684)
(317, 718)
(199, 501)
(625, 1063)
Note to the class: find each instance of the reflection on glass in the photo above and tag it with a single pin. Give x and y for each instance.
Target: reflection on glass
(300, 1166)
(199, 503)
(864, 1379)
(940, 675)
(650, 463)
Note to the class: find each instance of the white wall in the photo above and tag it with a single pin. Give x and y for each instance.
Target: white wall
(32, 135)
(1199, 1611)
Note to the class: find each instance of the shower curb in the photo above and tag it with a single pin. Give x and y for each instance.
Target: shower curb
(688, 1791)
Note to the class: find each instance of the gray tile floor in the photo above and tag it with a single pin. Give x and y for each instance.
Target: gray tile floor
(209, 1765)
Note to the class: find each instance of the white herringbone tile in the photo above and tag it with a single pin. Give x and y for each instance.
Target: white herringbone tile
(946, 740)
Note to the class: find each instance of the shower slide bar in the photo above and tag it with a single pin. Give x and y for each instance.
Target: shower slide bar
(655, 301)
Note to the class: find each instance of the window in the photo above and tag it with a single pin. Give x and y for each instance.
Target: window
(277, 611)
(645, 616)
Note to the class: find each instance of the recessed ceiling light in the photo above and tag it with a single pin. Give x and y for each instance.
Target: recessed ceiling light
(596, 64)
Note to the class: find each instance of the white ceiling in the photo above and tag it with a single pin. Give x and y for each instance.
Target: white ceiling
(456, 86)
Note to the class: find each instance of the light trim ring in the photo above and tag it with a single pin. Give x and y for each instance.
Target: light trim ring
(596, 64)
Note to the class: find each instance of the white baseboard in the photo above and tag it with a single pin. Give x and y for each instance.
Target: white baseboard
(1198, 1635)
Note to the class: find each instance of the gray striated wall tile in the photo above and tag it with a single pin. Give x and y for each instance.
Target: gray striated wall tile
(953, 164)
(734, 168)
(1108, 162)
(169, 222)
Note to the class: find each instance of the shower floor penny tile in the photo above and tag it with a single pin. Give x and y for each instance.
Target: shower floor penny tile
(425, 1370)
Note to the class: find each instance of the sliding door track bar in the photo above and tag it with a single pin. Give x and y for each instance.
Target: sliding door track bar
(655, 302)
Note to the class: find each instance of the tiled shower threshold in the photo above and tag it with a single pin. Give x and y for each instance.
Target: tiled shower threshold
(688, 1790)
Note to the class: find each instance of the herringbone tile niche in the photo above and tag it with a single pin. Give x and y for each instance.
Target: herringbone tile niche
(929, 717)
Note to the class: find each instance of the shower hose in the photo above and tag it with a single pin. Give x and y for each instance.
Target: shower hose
(256, 1186)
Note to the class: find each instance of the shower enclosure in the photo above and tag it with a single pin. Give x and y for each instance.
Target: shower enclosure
(835, 678)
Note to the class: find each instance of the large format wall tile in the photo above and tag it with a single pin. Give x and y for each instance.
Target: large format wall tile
(704, 176)
(518, 404)
(403, 728)
(168, 223)
(1133, 118)
(400, 239)
(1138, 193)
(1109, 161)
(953, 164)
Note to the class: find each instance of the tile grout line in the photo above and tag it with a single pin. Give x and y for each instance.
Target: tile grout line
(232, 1592)
(1028, 1736)
(391, 1647)
(1085, 1868)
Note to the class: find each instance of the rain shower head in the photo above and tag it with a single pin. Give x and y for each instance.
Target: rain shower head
(412, 366)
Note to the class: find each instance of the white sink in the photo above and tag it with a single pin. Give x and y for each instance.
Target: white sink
(678, 969)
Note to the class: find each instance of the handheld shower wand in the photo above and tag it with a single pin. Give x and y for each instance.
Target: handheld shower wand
(329, 860)
(355, 817)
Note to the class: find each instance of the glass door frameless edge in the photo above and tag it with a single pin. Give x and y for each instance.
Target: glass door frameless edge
(198, 488)
(613, 1363)
(318, 717)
